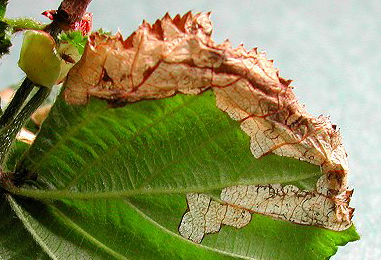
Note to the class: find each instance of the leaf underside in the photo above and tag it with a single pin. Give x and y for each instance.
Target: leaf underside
(112, 184)
(15, 241)
(145, 226)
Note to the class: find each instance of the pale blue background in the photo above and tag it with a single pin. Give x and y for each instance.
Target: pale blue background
(330, 48)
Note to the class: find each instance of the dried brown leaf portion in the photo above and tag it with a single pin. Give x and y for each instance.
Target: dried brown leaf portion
(288, 202)
(155, 62)
(178, 56)
(206, 216)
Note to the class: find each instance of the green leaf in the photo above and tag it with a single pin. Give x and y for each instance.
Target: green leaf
(57, 239)
(145, 227)
(263, 238)
(75, 38)
(119, 178)
(15, 241)
(3, 8)
(5, 38)
(15, 155)
(62, 226)
(176, 145)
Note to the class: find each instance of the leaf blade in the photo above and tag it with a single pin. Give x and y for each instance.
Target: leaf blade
(130, 146)
(55, 239)
(138, 228)
(15, 241)
(160, 214)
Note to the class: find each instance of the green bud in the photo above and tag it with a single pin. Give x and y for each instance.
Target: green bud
(39, 59)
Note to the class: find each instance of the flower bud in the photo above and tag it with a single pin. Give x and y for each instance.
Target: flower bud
(39, 58)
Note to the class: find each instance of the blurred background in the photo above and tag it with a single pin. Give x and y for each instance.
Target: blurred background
(331, 49)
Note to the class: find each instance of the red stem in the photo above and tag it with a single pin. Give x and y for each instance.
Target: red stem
(69, 12)
(74, 10)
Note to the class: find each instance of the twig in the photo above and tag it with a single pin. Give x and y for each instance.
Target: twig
(69, 12)
(17, 102)
(9, 132)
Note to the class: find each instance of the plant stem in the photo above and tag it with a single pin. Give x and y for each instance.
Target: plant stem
(74, 9)
(9, 132)
(68, 13)
(17, 102)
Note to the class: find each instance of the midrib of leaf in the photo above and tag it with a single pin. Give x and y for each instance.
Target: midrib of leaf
(81, 231)
(66, 194)
(28, 226)
(178, 236)
(68, 222)
(78, 127)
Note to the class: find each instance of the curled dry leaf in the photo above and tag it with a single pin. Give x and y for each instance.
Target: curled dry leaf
(178, 56)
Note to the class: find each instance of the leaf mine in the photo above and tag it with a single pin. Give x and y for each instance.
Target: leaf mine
(206, 216)
(284, 202)
(177, 55)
